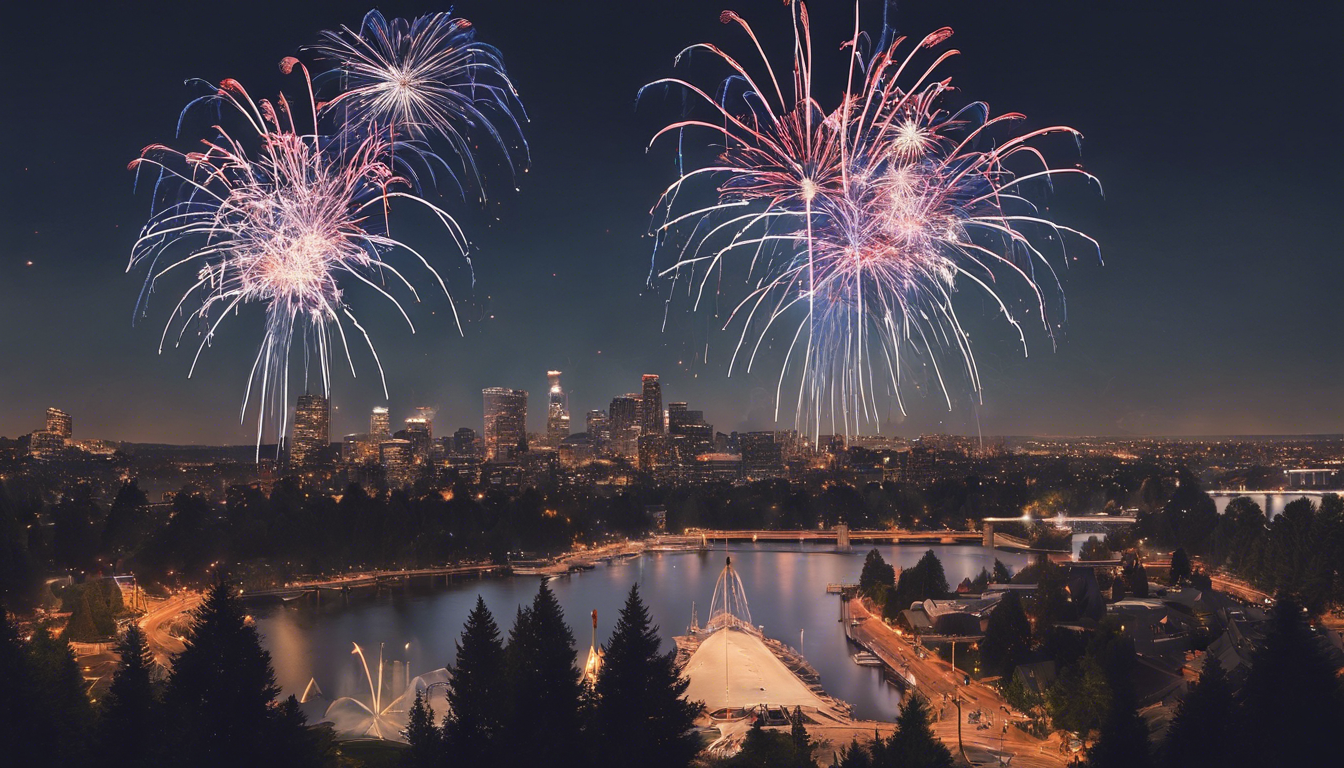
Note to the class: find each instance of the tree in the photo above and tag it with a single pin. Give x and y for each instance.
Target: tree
(425, 739)
(222, 691)
(542, 725)
(1007, 638)
(641, 703)
(1001, 573)
(1094, 549)
(128, 521)
(924, 581)
(1204, 729)
(914, 745)
(17, 691)
(769, 749)
(130, 729)
(1292, 702)
(62, 715)
(1136, 579)
(1180, 566)
(476, 696)
(877, 577)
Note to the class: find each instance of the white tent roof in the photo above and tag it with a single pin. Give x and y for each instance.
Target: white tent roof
(733, 669)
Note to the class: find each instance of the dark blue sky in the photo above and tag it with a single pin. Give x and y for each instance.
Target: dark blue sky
(1215, 130)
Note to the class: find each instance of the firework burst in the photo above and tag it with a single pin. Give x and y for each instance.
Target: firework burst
(273, 216)
(861, 221)
(428, 77)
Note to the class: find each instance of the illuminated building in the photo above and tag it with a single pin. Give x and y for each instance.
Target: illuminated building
(359, 449)
(688, 434)
(380, 426)
(310, 436)
(420, 431)
(466, 442)
(624, 422)
(505, 422)
(598, 428)
(655, 452)
(45, 445)
(397, 459)
(557, 412)
(60, 424)
(651, 417)
(761, 455)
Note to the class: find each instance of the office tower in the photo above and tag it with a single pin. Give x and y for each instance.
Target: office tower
(624, 422)
(761, 455)
(310, 436)
(45, 445)
(651, 419)
(505, 421)
(465, 442)
(598, 428)
(424, 415)
(655, 452)
(397, 458)
(420, 431)
(60, 424)
(557, 412)
(380, 426)
(688, 434)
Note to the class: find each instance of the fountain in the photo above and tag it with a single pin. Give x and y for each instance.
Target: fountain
(381, 719)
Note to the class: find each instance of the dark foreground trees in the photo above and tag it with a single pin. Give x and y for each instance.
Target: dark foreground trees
(221, 696)
(476, 697)
(130, 729)
(641, 707)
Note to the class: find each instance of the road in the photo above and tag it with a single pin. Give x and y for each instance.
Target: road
(157, 625)
(938, 683)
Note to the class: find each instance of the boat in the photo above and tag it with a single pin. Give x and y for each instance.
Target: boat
(866, 659)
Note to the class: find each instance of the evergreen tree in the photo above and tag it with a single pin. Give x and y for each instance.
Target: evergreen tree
(221, 693)
(924, 581)
(876, 577)
(476, 696)
(425, 739)
(17, 726)
(1180, 566)
(1007, 636)
(1123, 738)
(542, 726)
(130, 729)
(1292, 703)
(1204, 729)
(855, 755)
(62, 712)
(1001, 573)
(769, 749)
(914, 745)
(641, 705)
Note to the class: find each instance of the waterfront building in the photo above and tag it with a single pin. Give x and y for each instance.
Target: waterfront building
(557, 412)
(311, 434)
(505, 421)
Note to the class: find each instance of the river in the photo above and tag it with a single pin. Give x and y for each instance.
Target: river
(785, 586)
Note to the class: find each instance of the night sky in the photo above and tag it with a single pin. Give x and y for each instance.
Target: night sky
(1215, 130)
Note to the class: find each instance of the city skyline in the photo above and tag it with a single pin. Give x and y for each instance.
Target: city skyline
(1170, 337)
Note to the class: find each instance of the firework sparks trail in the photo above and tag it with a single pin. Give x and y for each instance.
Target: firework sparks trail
(862, 220)
(269, 215)
(421, 78)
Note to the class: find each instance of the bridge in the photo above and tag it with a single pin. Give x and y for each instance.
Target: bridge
(839, 536)
(372, 579)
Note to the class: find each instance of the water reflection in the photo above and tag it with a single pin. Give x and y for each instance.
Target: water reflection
(786, 584)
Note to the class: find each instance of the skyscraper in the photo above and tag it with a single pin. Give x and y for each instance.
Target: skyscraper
(465, 442)
(310, 437)
(380, 426)
(651, 420)
(557, 412)
(396, 456)
(505, 421)
(624, 419)
(60, 424)
(599, 429)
